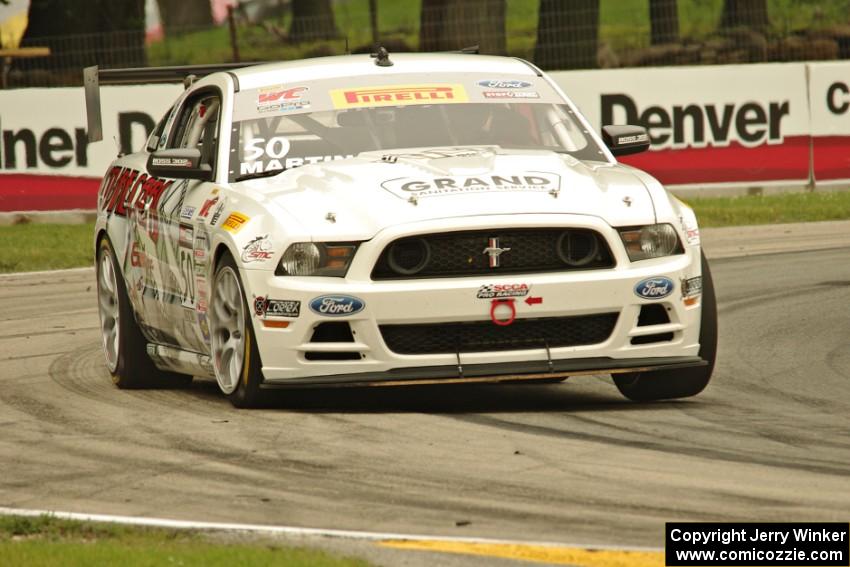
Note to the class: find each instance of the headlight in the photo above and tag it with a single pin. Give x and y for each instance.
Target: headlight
(316, 259)
(652, 241)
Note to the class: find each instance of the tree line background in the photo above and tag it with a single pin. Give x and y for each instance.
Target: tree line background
(554, 34)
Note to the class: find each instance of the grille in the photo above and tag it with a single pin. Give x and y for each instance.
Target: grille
(456, 254)
(484, 336)
(656, 338)
(336, 332)
(655, 314)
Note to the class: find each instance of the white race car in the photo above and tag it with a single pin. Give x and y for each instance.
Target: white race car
(419, 218)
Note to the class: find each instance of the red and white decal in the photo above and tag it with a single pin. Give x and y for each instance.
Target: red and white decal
(258, 249)
(501, 291)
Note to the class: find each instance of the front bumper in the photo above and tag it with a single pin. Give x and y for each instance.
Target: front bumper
(290, 358)
(501, 372)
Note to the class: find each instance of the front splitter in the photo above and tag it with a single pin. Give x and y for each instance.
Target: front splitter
(492, 373)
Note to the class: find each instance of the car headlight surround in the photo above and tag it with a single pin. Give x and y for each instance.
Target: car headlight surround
(317, 259)
(651, 241)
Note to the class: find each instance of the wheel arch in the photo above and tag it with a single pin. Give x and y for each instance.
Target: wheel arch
(99, 235)
(220, 250)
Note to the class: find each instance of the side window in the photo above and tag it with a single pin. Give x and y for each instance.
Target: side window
(197, 126)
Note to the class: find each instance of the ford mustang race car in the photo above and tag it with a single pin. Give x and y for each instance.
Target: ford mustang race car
(420, 218)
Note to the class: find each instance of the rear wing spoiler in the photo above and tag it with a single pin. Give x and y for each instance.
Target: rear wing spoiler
(93, 77)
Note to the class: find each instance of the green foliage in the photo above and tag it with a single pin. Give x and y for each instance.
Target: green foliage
(624, 25)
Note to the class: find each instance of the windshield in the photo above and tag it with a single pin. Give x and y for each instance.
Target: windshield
(287, 128)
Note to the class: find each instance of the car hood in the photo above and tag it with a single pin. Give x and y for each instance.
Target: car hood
(357, 197)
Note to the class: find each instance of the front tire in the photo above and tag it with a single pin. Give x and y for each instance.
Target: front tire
(670, 384)
(236, 358)
(124, 345)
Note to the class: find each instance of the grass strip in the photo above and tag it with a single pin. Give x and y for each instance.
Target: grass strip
(31, 247)
(46, 542)
(771, 209)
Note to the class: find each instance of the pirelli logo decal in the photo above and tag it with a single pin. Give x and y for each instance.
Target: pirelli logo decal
(396, 95)
(234, 222)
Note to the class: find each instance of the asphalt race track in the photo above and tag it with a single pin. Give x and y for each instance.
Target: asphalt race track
(769, 440)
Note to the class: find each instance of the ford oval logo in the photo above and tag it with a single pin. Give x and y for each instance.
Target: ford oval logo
(502, 84)
(654, 288)
(337, 305)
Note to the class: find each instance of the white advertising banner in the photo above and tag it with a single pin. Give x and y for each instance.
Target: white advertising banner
(738, 124)
(729, 125)
(829, 90)
(43, 142)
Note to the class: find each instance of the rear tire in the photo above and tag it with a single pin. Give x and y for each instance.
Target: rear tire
(670, 384)
(236, 358)
(124, 345)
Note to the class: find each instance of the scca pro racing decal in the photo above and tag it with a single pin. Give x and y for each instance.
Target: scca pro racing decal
(337, 305)
(522, 182)
(500, 291)
(654, 288)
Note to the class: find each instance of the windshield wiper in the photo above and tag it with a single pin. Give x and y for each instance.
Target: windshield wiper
(258, 175)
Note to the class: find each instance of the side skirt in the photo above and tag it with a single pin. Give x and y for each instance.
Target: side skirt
(171, 359)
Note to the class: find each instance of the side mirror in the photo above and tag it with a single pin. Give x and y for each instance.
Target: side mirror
(625, 140)
(179, 163)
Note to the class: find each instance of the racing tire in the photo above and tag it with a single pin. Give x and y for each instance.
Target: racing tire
(235, 356)
(671, 384)
(124, 346)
